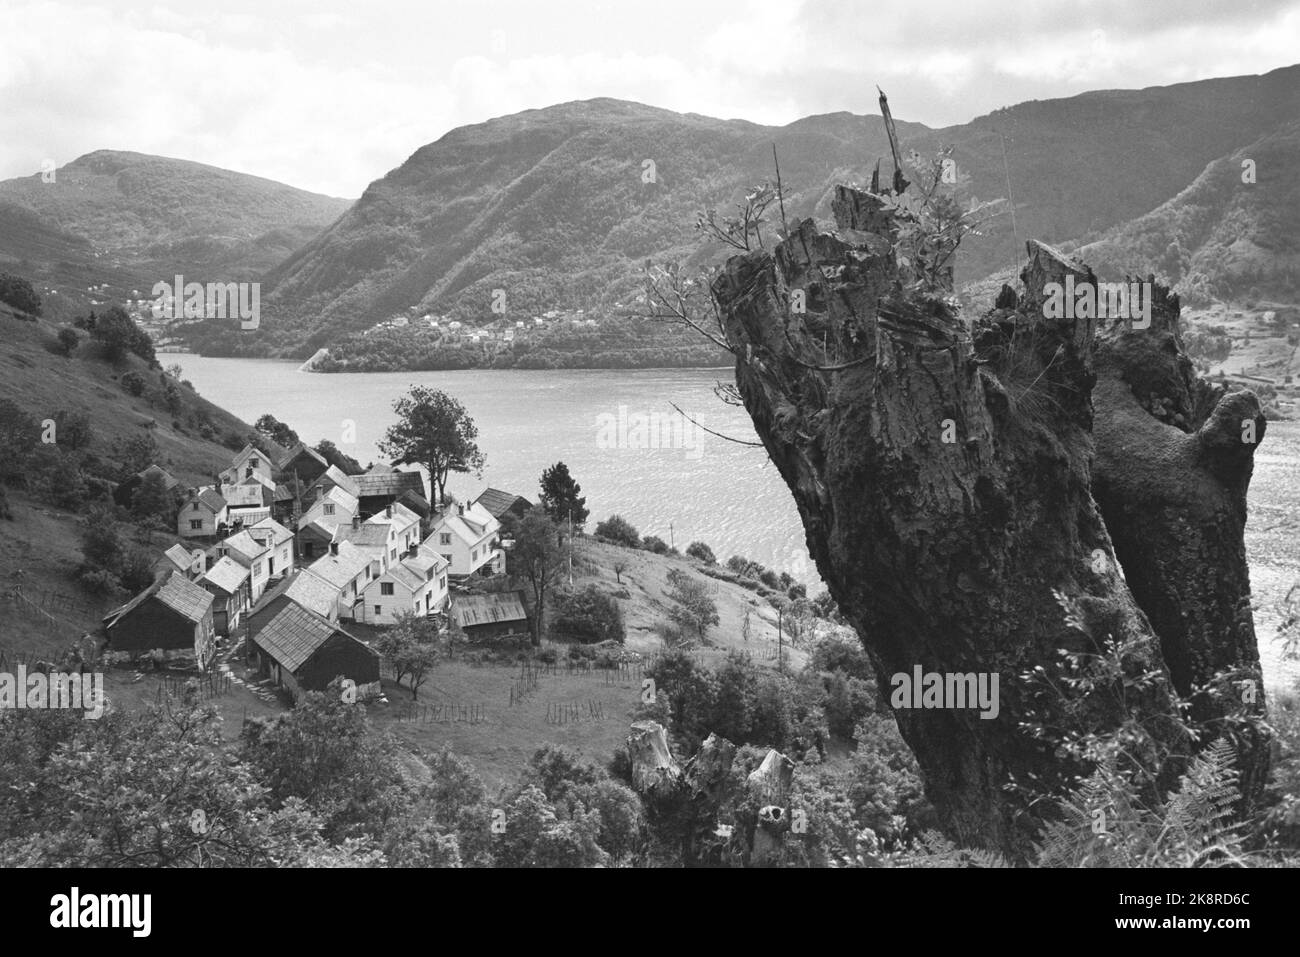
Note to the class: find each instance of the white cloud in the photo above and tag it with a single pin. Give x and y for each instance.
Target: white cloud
(329, 96)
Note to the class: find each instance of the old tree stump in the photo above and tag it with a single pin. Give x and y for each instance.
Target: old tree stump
(963, 482)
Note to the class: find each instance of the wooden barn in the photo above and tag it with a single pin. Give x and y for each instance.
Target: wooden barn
(301, 651)
(172, 617)
(495, 615)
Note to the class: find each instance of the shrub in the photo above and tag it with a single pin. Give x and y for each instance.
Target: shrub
(68, 340)
(18, 292)
(587, 616)
(618, 530)
(133, 383)
(652, 543)
(702, 552)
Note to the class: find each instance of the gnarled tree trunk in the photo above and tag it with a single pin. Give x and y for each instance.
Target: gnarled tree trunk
(944, 474)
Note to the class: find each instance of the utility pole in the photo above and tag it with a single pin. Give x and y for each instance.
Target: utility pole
(780, 643)
(672, 543)
(570, 522)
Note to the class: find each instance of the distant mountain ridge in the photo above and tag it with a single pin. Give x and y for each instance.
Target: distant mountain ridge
(131, 219)
(550, 207)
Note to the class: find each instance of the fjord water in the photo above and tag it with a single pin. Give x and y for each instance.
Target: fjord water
(727, 495)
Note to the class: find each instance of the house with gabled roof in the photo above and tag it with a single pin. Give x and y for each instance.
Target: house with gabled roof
(249, 552)
(334, 506)
(172, 618)
(416, 583)
(228, 583)
(250, 462)
(376, 541)
(202, 514)
(301, 463)
(177, 558)
(278, 541)
(405, 527)
(300, 588)
(468, 537)
(301, 652)
(347, 569)
(334, 477)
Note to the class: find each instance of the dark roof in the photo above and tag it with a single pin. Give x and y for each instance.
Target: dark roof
(498, 502)
(172, 589)
(471, 610)
(209, 497)
(302, 448)
(388, 483)
(295, 634)
(416, 502)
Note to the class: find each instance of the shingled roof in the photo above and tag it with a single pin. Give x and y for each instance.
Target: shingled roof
(175, 591)
(294, 635)
(226, 574)
(471, 610)
(373, 484)
(498, 503)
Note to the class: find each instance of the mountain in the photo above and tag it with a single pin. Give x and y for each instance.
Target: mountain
(550, 206)
(1222, 237)
(130, 220)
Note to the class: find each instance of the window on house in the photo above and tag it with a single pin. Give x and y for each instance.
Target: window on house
(385, 588)
(474, 555)
(442, 582)
(354, 588)
(329, 509)
(257, 568)
(196, 525)
(379, 609)
(254, 463)
(248, 473)
(447, 559)
(392, 553)
(195, 507)
(443, 539)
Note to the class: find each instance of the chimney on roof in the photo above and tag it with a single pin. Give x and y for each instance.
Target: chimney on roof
(388, 511)
(334, 548)
(460, 507)
(356, 521)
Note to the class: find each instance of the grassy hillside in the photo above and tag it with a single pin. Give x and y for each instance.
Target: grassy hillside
(550, 205)
(130, 220)
(1220, 238)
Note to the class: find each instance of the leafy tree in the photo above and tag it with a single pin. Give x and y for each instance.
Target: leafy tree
(561, 497)
(433, 430)
(538, 557)
(176, 799)
(653, 543)
(72, 430)
(702, 552)
(275, 430)
(101, 543)
(134, 383)
(618, 530)
(20, 434)
(18, 292)
(68, 340)
(56, 477)
(588, 615)
(152, 499)
(340, 460)
(323, 754)
(137, 454)
(408, 646)
(695, 609)
(117, 332)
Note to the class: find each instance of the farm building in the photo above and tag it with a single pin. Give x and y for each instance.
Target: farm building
(302, 652)
(382, 486)
(490, 616)
(303, 588)
(173, 616)
(499, 504)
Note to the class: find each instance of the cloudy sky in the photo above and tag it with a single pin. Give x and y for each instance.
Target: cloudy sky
(329, 95)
